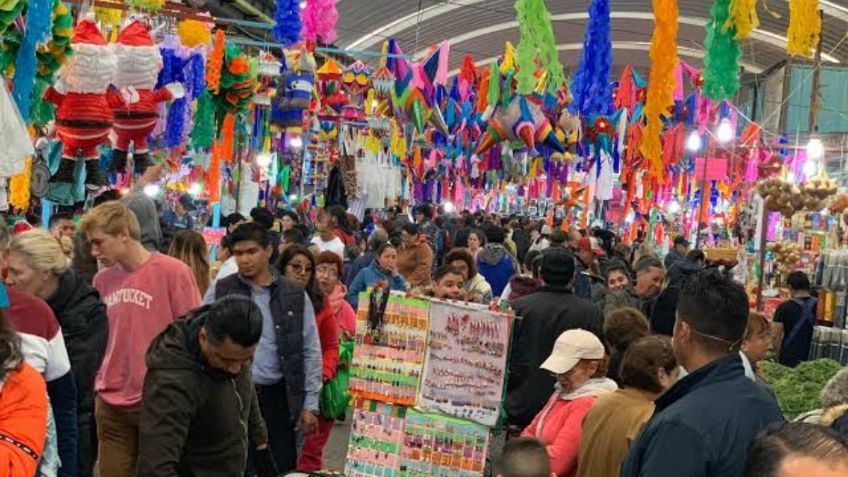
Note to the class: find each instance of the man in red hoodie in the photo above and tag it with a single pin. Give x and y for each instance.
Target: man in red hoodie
(144, 292)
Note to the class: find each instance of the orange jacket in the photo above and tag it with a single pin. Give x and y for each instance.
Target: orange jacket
(23, 421)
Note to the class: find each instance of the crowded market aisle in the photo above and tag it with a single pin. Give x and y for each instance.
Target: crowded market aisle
(253, 239)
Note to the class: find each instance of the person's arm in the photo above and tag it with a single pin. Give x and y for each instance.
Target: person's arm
(425, 265)
(329, 337)
(356, 286)
(312, 366)
(63, 401)
(671, 448)
(777, 329)
(209, 297)
(165, 419)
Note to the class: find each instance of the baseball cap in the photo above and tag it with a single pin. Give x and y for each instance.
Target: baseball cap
(570, 348)
(187, 202)
(681, 240)
(588, 243)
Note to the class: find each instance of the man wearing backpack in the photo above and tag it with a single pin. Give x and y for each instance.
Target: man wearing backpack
(794, 321)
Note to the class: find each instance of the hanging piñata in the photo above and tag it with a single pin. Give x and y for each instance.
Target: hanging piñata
(721, 63)
(139, 63)
(661, 81)
(83, 115)
(319, 21)
(537, 35)
(590, 85)
(287, 22)
(804, 27)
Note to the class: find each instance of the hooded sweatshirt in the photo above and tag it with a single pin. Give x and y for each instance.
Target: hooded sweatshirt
(196, 421)
(559, 425)
(496, 265)
(148, 218)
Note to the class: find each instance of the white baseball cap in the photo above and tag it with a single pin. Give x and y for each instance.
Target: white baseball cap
(570, 348)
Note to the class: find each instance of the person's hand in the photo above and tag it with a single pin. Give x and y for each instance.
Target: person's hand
(307, 423)
(264, 462)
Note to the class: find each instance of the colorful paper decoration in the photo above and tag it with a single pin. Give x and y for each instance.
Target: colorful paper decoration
(521, 120)
(9, 10)
(238, 81)
(287, 22)
(152, 5)
(804, 27)
(537, 34)
(294, 91)
(743, 16)
(721, 63)
(590, 85)
(319, 21)
(39, 19)
(193, 33)
(661, 82)
(466, 361)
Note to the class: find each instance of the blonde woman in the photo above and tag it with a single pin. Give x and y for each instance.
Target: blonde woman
(189, 247)
(38, 265)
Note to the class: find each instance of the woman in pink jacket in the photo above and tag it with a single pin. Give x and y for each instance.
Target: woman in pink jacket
(578, 361)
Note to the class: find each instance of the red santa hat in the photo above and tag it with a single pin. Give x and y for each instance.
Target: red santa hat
(86, 32)
(135, 34)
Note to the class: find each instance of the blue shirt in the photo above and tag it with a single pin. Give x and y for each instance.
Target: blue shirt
(266, 366)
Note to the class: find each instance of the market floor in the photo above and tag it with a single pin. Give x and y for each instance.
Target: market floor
(336, 451)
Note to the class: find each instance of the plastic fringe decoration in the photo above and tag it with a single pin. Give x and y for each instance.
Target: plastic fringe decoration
(42, 112)
(193, 33)
(175, 122)
(743, 15)
(111, 18)
(537, 35)
(196, 83)
(287, 23)
(804, 27)
(493, 94)
(591, 83)
(152, 5)
(39, 21)
(59, 47)
(238, 81)
(215, 62)
(203, 134)
(19, 187)
(721, 63)
(661, 81)
(319, 20)
(9, 11)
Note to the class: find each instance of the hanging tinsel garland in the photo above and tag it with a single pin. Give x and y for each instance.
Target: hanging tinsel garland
(804, 29)
(287, 22)
(590, 85)
(537, 36)
(661, 81)
(721, 63)
(39, 21)
(319, 21)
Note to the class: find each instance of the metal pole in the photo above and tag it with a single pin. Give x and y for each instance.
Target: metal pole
(815, 101)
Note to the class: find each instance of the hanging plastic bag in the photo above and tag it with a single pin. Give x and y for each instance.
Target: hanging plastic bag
(334, 396)
(15, 144)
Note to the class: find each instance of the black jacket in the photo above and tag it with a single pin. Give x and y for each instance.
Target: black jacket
(662, 310)
(703, 425)
(541, 318)
(195, 421)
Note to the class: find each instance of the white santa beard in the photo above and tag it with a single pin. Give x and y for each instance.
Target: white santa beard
(138, 66)
(90, 69)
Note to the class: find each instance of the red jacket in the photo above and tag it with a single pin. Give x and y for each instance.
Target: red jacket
(328, 333)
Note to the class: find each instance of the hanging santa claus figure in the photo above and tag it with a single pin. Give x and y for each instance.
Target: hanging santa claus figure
(139, 63)
(83, 115)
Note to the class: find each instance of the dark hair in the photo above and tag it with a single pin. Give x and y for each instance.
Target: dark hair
(623, 326)
(525, 457)
(262, 217)
(377, 239)
(643, 358)
(716, 308)
(531, 263)
(696, 255)
(411, 228)
(558, 237)
(55, 218)
(480, 236)
(465, 256)
(426, 209)
(648, 262)
(107, 196)
(494, 234)
(779, 441)
(444, 270)
(231, 219)
(338, 212)
(294, 236)
(233, 316)
(11, 355)
(798, 280)
(290, 214)
(383, 248)
(227, 242)
(557, 266)
(288, 254)
(616, 266)
(251, 231)
(331, 258)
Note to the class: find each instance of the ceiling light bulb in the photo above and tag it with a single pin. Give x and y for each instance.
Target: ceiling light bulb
(693, 142)
(725, 131)
(811, 167)
(195, 189)
(815, 148)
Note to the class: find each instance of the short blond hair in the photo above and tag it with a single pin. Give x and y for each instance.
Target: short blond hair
(111, 218)
(41, 251)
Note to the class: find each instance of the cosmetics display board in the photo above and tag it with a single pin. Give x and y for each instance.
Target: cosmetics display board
(391, 339)
(465, 366)
(439, 445)
(376, 440)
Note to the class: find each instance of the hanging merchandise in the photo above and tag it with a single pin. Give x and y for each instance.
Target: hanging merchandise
(294, 90)
(591, 83)
(139, 63)
(661, 82)
(193, 33)
(721, 63)
(803, 34)
(15, 145)
(9, 11)
(743, 17)
(319, 21)
(521, 120)
(287, 22)
(537, 34)
(38, 26)
(83, 116)
(151, 5)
